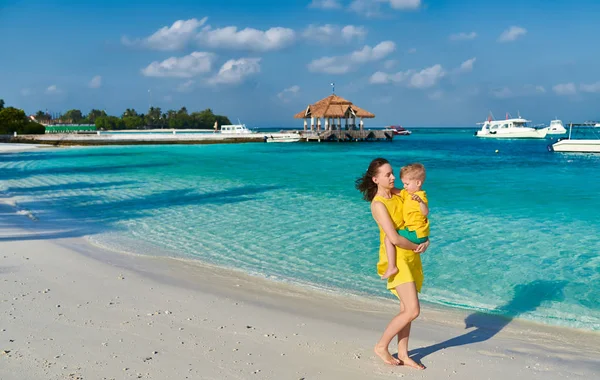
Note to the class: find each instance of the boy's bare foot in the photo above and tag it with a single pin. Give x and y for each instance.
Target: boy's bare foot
(410, 363)
(389, 272)
(385, 355)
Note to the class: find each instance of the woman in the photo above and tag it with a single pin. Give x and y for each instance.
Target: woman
(377, 186)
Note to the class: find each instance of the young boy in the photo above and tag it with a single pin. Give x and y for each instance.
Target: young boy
(415, 211)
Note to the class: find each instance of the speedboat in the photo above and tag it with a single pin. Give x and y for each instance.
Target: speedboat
(582, 138)
(513, 128)
(397, 130)
(556, 127)
(283, 137)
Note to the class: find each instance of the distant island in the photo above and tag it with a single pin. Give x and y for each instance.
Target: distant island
(15, 120)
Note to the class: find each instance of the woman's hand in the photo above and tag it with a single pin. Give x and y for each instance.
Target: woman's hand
(421, 248)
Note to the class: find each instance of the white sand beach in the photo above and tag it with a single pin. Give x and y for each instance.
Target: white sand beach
(13, 148)
(70, 310)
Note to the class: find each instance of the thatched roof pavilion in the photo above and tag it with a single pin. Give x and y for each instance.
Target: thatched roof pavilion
(333, 109)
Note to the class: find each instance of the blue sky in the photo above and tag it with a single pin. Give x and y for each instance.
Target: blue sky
(410, 62)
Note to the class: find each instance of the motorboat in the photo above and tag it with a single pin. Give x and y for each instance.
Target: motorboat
(235, 129)
(583, 138)
(282, 138)
(397, 130)
(556, 127)
(510, 128)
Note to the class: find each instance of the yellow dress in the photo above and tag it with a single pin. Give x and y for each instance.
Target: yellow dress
(408, 262)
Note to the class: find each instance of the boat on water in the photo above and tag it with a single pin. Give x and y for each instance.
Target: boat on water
(556, 127)
(583, 138)
(283, 137)
(397, 130)
(510, 128)
(235, 129)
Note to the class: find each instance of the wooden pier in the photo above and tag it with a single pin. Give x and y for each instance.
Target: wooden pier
(346, 136)
(339, 124)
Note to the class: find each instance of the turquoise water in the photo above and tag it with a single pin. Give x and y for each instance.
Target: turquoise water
(513, 233)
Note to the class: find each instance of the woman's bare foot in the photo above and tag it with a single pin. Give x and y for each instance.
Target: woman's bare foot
(410, 363)
(389, 272)
(385, 355)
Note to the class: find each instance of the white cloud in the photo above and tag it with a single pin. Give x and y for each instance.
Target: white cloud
(367, 8)
(412, 51)
(371, 8)
(405, 4)
(246, 39)
(512, 34)
(235, 71)
(525, 90)
(52, 90)
(334, 33)
(389, 64)
(530, 89)
(96, 82)
(186, 86)
(330, 65)
(168, 98)
(425, 78)
(463, 36)
(325, 4)
(344, 64)
(594, 87)
(467, 65)
(367, 54)
(379, 77)
(183, 67)
(26, 92)
(289, 92)
(167, 38)
(383, 78)
(565, 89)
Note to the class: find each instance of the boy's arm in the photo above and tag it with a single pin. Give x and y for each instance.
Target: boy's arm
(422, 199)
(424, 208)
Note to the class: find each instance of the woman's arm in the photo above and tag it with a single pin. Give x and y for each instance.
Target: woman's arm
(382, 217)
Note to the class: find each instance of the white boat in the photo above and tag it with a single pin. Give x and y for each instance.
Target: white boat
(556, 127)
(397, 130)
(580, 143)
(235, 129)
(287, 138)
(515, 128)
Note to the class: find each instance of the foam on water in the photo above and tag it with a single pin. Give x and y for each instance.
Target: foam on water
(513, 233)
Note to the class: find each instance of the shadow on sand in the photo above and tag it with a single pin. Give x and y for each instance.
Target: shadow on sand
(527, 297)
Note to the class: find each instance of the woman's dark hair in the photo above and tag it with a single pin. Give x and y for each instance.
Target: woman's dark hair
(365, 183)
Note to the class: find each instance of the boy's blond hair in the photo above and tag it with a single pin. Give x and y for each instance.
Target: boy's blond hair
(413, 171)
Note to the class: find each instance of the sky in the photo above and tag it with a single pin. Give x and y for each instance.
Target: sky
(410, 62)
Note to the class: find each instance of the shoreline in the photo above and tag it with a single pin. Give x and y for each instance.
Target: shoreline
(126, 315)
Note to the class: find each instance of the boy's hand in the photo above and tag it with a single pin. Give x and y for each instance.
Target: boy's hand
(417, 198)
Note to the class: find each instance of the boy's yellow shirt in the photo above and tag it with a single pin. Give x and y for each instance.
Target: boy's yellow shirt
(414, 220)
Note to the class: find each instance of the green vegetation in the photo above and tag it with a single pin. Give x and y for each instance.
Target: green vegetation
(130, 119)
(155, 118)
(13, 119)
